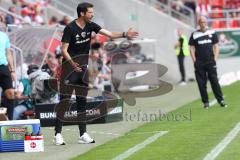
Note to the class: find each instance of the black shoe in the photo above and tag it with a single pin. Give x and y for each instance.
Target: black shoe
(223, 104)
(206, 105)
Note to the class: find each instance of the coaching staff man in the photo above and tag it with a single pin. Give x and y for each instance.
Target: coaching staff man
(76, 42)
(6, 73)
(204, 52)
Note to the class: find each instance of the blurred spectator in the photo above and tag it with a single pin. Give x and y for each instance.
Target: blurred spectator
(233, 23)
(93, 68)
(9, 19)
(14, 2)
(181, 49)
(104, 75)
(41, 91)
(177, 6)
(18, 90)
(38, 17)
(53, 21)
(65, 20)
(130, 57)
(26, 16)
(22, 92)
(163, 1)
(203, 8)
(191, 5)
(98, 47)
(50, 65)
(160, 7)
(231, 4)
(31, 10)
(21, 70)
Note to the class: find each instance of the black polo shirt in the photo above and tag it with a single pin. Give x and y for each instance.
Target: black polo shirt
(79, 38)
(203, 43)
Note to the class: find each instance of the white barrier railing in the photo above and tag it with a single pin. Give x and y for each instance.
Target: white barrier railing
(183, 13)
(224, 17)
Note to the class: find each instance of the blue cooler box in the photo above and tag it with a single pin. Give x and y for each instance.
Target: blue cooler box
(12, 134)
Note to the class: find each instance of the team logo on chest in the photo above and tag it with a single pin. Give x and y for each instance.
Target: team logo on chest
(83, 34)
(77, 37)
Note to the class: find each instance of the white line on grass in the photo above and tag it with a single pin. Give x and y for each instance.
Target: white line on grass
(220, 147)
(140, 146)
(213, 102)
(109, 133)
(131, 133)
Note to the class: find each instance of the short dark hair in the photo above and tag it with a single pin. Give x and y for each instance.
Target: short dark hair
(83, 7)
(95, 46)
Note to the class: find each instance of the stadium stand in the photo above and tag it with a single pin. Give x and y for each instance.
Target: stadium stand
(183, 10)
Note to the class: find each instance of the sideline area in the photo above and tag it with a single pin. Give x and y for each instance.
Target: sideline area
(106, 132)
(214, 130)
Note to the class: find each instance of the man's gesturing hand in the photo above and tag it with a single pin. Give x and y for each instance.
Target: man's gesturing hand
(75, 66)
(131, 33)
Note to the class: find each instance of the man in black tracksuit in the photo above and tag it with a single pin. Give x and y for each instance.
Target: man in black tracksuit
(75, 49)
(204, 52)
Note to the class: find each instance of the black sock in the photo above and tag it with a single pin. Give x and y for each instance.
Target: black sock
(58, 126)
(82, 129)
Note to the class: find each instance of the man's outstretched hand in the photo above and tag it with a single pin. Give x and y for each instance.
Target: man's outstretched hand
(131, 33)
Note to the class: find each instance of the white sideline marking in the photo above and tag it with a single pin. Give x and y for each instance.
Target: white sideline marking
(144, 132)
(220, 147)
(109, 133)
(140, 146)
(213, 102)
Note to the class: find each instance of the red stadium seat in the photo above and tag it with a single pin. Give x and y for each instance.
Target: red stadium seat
(217, 3)
(234, 24)
(218, 24)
